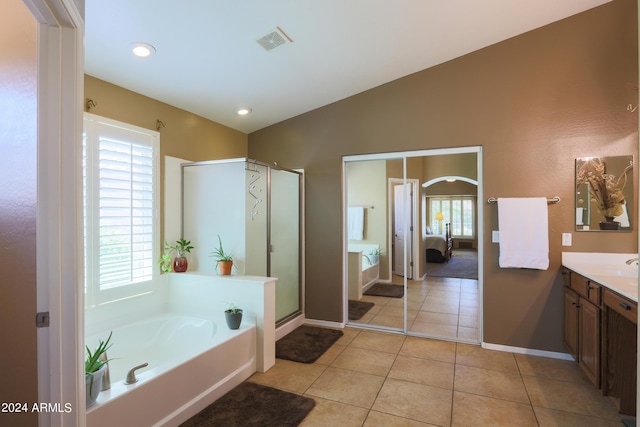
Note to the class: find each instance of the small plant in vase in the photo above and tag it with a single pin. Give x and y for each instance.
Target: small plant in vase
(224, 260)
(374, 255)
(180, 262)
(94, 368)
(233, 316)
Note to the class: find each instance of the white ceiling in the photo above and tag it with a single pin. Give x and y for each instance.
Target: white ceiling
(208, 62)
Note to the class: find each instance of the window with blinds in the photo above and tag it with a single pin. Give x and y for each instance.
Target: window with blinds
(120, 209)
(456, 210)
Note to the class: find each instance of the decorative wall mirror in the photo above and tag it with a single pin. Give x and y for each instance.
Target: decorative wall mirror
(604, 193)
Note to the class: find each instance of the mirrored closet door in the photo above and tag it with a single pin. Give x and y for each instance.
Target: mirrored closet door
(412, 230)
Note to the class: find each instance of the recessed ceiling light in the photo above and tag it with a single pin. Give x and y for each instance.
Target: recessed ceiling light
(142, 49)
(243, 111)
(451, 180)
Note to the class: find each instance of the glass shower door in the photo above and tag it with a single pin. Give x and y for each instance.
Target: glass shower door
(284, 242)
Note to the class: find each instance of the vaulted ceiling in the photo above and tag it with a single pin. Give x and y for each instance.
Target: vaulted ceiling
(208, 61)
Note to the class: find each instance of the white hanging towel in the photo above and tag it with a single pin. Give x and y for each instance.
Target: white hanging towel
(355, 223)
(524, 232)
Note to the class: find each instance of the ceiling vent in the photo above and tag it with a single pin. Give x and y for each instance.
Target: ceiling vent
(274, 39)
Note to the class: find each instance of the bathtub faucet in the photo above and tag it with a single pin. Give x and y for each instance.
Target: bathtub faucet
(631, 261)
(131, 375)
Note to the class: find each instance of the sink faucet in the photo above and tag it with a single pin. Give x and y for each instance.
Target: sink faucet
(632, 260)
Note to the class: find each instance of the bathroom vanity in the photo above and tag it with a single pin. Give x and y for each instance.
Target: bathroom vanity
(600, 321)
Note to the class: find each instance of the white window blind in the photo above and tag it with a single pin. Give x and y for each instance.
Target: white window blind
(456, 210)
(120, 194)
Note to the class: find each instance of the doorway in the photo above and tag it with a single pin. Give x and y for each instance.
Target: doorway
(418, 299)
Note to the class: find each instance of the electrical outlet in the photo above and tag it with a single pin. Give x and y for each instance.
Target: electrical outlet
(566, 239)
(495, 236)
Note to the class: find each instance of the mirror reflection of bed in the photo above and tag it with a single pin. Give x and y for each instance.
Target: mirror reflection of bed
(438, 247)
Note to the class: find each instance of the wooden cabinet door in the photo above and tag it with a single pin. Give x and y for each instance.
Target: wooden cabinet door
(589, 340)
(571, 322)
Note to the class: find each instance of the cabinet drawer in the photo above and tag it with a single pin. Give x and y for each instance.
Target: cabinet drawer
(625, 307)
(579, 284)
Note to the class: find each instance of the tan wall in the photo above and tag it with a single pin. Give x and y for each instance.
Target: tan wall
(18, 145)
(185, 135)
(533, 102)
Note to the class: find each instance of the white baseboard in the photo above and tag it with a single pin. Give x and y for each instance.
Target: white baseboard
(289, 326)
(528, 351)
(325, 323)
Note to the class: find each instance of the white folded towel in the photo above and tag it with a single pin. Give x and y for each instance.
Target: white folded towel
(524, 232)
(355, 223)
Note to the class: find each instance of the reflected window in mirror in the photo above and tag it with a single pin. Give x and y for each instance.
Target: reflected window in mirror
(604, 193)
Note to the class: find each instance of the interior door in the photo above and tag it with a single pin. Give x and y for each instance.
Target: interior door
(402, 206)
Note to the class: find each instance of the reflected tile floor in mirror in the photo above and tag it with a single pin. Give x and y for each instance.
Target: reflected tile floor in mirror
(437, 307)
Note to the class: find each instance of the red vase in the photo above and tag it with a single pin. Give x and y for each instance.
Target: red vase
(180, 264)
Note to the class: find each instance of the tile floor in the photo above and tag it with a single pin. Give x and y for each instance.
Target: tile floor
(371, 378)
(436, 306)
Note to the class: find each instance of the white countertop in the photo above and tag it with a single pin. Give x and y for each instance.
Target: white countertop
(610, 270)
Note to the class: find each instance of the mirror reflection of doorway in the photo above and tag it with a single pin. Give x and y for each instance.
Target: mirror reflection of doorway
(419, 297)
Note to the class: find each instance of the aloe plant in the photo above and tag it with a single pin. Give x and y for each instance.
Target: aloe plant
(93, 363)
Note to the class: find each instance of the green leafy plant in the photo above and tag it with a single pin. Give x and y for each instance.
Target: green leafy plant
(376, 251)
(182, 246)
(219, 254)
(93, 362)
(233, 309)
(165, 263)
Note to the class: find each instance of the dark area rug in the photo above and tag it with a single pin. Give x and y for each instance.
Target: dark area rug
(306, 343)
(251, 404)
(357, 309)
(463, 264)
(386, 290)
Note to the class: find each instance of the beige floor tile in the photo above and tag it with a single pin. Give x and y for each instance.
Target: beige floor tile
(468, 321)
(490, 383)
(350, 387)
(553, 418)
(289, 376)
(388, 321)
(378, 419)
(425, 348)
(348, 334)
(467, 310)
(556, 369)
(570, 397)
(380, 341)
(454, 300)
(434, 329)
(415, 401)
(474, 355)
(470, 410)
(423, 371)
(468, 333)
(330, 413)
(330, 355)
(442, 318)
(440, 308)
(442, 294)
(365, 360)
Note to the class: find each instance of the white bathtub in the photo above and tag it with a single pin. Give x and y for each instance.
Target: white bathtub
(192, 362)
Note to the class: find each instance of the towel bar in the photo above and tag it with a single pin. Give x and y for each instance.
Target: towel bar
(551, 201)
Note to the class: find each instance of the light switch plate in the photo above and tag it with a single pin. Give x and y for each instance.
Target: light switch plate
(566, 239)
(495, 236)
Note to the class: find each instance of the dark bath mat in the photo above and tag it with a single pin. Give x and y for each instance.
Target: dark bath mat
(357, 309)
(251, 404)
(306, 343)
(385, 290)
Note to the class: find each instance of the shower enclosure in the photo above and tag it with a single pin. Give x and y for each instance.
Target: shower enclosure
(255, 208)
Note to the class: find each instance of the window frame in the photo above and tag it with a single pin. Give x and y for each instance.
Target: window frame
(93, 128)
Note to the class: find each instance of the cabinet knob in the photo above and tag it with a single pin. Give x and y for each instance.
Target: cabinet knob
(625, 306)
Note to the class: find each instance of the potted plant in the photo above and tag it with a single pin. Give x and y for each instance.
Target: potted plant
(233, 316)
(180, 262)
(223, 259)
(94, 367)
